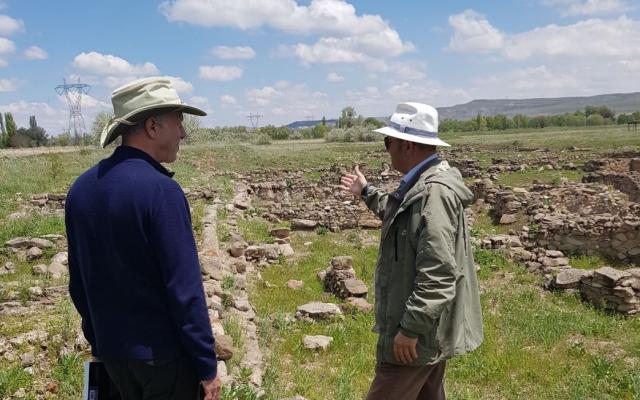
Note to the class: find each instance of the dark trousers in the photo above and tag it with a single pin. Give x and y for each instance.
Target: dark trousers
(153, 380)
(399, 382)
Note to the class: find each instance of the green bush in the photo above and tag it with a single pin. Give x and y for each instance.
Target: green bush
(355, 134)
(261, 139)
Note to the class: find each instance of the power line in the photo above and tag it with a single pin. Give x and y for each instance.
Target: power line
(254, 119)
(73, 92)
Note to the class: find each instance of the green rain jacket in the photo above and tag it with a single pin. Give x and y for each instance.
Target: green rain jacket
(425, 278)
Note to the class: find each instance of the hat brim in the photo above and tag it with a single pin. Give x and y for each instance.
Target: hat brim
(114, 128)
(389, 131)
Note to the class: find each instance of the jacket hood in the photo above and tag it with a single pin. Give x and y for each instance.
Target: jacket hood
(452, 178)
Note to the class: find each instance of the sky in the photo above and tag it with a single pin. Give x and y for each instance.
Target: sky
(290, 60)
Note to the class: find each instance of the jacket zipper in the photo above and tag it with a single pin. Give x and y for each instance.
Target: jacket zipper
(395, 245)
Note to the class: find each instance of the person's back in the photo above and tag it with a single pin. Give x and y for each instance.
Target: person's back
(113, 213)
(134, 274)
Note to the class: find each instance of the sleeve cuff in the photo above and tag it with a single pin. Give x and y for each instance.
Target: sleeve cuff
(408, 333)
(365, 190)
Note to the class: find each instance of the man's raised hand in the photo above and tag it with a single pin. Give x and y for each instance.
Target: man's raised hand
(353, 183)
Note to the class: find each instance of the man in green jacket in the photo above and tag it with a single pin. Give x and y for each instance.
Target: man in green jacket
(427, 302)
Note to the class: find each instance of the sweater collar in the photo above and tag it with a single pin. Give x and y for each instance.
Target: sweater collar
(126, 152)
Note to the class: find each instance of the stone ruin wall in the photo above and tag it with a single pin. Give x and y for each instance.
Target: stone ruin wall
(576, 218)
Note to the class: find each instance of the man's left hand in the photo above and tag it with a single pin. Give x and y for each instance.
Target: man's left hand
(404, 348)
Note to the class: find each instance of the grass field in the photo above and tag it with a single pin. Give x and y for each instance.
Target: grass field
(539, 344)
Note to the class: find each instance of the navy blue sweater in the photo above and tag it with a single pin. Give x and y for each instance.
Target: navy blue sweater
(134, 271)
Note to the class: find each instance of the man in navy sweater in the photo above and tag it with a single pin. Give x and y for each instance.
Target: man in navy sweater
(134, 272)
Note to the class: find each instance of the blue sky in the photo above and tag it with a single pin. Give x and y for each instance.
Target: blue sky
(291, 59)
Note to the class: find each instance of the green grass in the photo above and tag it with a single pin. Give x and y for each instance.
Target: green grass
(345, 367)
(597, 137)
(68, 371)
(12, 379)
(539, 345)
(531, 348)
(254, 231)
(526, 177)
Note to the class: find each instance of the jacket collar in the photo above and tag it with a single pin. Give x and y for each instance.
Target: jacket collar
(417, 189)
(127, 152)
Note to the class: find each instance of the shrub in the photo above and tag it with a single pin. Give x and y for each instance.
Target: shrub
(262, 139)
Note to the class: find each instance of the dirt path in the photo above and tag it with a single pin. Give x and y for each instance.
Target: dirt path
(33, 151)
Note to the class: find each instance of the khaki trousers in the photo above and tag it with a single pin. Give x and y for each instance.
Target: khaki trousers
(399, 382)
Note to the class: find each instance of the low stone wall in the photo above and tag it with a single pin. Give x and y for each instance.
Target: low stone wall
(621, 173)
(585, 219)
(612, 289)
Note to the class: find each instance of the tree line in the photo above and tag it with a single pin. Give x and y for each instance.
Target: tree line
(589, 116)
(349, 127)
(12, 136)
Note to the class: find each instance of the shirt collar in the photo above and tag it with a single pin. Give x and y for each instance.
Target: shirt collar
(410, 178)
(124, 152)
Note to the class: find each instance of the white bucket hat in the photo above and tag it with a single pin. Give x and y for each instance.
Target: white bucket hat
(139, 100)
(414, 122)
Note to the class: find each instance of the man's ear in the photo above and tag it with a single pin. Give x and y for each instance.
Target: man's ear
(151, 127)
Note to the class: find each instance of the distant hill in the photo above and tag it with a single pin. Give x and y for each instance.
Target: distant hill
(310, 124)
(618, 102)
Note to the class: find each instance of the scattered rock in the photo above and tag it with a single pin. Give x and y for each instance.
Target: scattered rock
(27, 359)
(317, 310)
(508, 219)
(8, 268)
(342, 262)
(280, 233)
(57, 270)
(303, 224)
(295, 284)
(286, 250)
(33, 253)
(353, 288)
(360, 304)
(61, 258)
(224, 347)
(39, 269)
(569, 278)
(317, 342)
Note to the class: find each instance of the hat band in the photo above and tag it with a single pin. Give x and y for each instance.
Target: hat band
(123, 121)
(413, 131)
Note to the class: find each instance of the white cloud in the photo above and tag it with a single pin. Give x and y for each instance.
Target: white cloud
(8, 85)
(234, 53)
(472, 31)
(10, 25)
(287, 101)
(88, 103)
(228, 99)
(220, 72)
(335, 77)
(584, 39)
(107, 64)
(35, 53)
(200, 102)
(539, 81)
(357, 38)
(180, 85)
(590, 7)
(6, 46)
(3, 63)
(365, 48)
(408, 70)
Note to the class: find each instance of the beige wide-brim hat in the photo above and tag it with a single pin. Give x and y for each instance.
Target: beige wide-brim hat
(139, 100)
(414, 122)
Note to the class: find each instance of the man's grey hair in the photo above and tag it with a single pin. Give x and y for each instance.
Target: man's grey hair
(133, 129)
